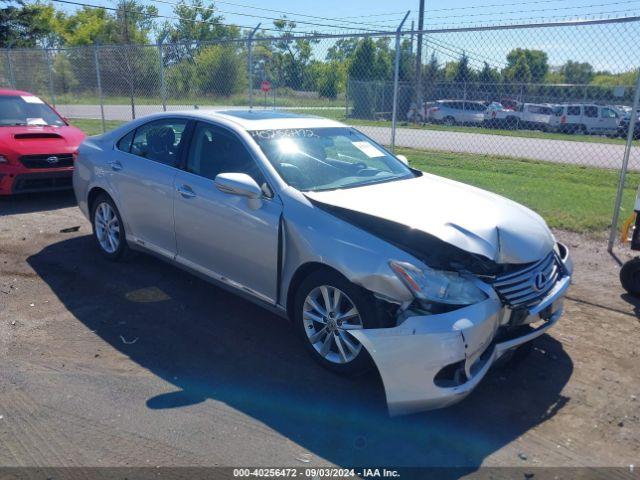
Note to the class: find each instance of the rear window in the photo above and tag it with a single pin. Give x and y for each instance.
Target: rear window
(124, 143)
(591, 111)
(558, 111)
(573, 110)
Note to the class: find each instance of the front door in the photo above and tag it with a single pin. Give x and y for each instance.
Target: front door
(220, 234)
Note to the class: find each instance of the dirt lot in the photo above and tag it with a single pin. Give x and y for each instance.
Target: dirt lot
(141, 364)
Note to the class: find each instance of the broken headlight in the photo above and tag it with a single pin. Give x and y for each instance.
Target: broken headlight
(429, 285)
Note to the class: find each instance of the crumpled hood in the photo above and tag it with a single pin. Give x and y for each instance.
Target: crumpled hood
(466, 217)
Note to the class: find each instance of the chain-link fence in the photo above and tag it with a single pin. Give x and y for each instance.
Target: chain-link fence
(541, 113)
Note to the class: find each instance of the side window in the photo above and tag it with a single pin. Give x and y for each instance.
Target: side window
(214, 150)
(608, 113)
(573, 110)
(124, 143)
(591, 111)
(159, 140)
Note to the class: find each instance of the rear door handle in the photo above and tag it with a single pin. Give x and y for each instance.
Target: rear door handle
(186, 191)
(115, 165)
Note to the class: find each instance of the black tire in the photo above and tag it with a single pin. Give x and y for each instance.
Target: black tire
(513, 123)
(370, 315)
(122, 248)
(630, 276)
(449, 121)
(579, 130)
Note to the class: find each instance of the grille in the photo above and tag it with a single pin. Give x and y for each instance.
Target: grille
(40, 161)
(529, 285)
(36, 182)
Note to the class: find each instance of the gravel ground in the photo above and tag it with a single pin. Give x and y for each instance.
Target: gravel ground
(140, 364)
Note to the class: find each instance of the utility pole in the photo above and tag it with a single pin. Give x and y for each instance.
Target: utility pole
(419, 57)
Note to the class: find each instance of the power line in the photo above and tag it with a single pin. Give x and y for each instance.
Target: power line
(555, 18)
(242, 14)
(115, 9)
(626, 2)
(253, 7)
(511, 4)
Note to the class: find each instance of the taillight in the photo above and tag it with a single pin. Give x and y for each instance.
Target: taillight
(493, 114)
(435, 109)
(563, 119)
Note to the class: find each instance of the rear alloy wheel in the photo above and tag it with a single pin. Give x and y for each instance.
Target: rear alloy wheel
(327, 309)
(108, 229)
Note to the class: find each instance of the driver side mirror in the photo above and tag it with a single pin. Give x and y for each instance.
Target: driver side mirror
(403, 159)
(240, 184)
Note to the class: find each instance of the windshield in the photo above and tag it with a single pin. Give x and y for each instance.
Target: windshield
(316, 159)
(27, 110)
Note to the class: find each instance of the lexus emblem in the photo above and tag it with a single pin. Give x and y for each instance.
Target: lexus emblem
(540, 281)
(52, 160)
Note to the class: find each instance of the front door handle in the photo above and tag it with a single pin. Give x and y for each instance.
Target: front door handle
(186, 191)
(115, 165)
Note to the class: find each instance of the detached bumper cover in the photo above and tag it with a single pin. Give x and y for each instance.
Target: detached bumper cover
(410, 356)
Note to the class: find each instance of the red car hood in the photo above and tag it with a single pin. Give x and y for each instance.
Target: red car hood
(33, 140)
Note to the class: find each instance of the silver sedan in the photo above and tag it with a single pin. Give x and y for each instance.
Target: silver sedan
(376, 264)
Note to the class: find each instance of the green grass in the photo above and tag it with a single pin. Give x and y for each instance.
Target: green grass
(94, 127)
(569, 197)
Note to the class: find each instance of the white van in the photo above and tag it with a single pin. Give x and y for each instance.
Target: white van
(585, 119)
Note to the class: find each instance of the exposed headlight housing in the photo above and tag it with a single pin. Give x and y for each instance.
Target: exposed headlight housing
(436, 286)
(3, 159)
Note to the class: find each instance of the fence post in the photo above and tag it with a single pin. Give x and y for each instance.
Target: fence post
(99, 85)
(52, 93)
(625, 163)
(396, 79)
(163, 86)
(346, 99)
(12, 76)
(250, 63)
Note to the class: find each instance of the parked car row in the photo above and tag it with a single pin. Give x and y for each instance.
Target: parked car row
(578, 118)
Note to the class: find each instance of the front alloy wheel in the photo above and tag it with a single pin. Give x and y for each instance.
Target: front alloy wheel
(328, 314)
(327, 310)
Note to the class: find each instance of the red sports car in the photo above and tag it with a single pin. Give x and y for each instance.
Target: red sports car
(37, 145)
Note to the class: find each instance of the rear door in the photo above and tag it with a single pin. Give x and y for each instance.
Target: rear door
(574, 116)
(143, 173)
(220, 234)
(591, 118)
(609, 121)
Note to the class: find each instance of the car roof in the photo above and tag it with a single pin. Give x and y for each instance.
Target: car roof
(262, 119)
(9, 92)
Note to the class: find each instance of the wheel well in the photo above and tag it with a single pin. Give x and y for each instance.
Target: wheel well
(303, 272)
(93, 194)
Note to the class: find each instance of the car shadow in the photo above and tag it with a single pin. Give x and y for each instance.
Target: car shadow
(214, 345)
(36, 202)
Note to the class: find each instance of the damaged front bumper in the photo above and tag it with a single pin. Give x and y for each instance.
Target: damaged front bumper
(432, 361)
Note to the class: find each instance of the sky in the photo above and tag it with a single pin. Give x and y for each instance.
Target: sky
(607, 47)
